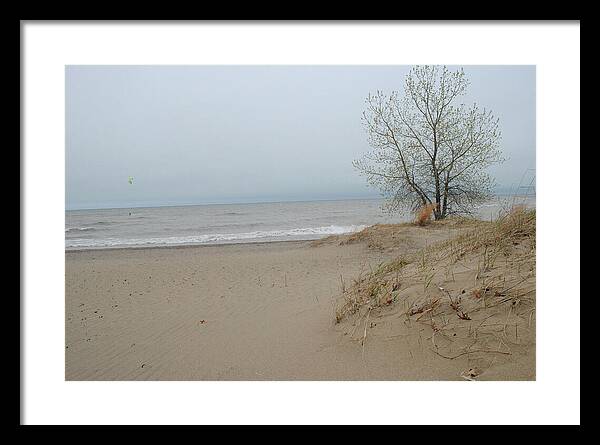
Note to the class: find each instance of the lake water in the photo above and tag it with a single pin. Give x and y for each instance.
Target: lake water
(235, 223)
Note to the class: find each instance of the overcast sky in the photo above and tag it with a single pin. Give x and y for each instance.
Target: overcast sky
(219, 134)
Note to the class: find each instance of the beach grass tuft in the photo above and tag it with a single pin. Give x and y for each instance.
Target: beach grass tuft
(423, 214)
(468, 290)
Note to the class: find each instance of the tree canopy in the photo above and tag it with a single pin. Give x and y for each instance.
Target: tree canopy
(427, 147)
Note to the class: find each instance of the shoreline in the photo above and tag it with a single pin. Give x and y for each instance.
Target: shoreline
(188, 246)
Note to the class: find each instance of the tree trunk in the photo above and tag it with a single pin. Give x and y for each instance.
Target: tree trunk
(445, 201)
(438, 211)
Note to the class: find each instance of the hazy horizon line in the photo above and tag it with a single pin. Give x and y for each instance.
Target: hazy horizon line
(504, 191)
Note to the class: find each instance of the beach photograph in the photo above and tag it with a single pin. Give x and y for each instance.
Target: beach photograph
(238, 223)
(300, 223)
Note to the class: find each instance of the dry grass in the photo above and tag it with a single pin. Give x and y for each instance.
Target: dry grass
(423, 214)
(376, 237)
(509, 229)
(405, 236)
(375, 289)
(479, 285)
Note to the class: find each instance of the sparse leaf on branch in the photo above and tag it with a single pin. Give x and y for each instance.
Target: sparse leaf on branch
(426, 148)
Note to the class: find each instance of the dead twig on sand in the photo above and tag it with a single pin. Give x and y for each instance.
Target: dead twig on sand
(356, 325)
(453, 304)
(423, 314)
(365, 333)
(416, 309)
(470, 352)
(507, 317)
(463, 315)
(504, 291)
(501, 343)
(530, 315)
(484, 320)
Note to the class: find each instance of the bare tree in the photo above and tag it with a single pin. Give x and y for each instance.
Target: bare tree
(427, 149)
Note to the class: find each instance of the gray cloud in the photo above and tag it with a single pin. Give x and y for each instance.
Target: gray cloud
(202, 134)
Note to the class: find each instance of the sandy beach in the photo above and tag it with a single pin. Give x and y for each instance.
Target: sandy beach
(244, 311)
(267, 311)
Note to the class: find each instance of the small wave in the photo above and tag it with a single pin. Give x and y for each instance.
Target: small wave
(218, 238)
(221, 227)
(78, 229)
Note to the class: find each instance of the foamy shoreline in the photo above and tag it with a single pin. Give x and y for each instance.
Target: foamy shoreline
(71, 250)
